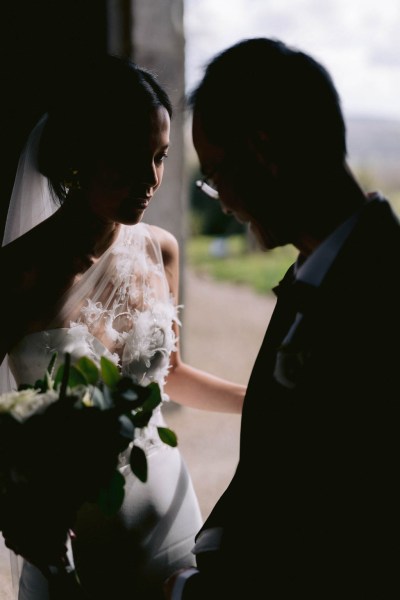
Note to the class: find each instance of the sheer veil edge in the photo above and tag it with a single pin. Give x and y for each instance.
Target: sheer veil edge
(31, 202)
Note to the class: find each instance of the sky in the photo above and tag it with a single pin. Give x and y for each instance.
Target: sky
(358, 41)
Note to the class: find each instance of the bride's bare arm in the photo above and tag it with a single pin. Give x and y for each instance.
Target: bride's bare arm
(198, 389)
(185, 384)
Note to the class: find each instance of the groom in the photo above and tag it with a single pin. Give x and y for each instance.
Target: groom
(313, 508)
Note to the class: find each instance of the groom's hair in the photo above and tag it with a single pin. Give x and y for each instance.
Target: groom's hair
(262, 84)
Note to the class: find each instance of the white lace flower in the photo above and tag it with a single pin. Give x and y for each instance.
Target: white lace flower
(92, 311)
(147, 347)
(111, 333)
(132, 315)
(80, 344)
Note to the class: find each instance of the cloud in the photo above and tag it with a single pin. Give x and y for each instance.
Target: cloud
(357, 41)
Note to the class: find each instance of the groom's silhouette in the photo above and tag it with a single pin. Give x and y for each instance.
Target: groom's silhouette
(312, 510)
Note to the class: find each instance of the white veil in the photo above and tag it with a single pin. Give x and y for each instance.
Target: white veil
(31, 202)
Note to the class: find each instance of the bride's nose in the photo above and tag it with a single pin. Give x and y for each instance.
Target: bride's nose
(151, 175)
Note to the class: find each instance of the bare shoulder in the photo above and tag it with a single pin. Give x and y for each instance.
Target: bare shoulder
(168, 243)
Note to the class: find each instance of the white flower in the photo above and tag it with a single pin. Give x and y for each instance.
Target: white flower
(21, 405)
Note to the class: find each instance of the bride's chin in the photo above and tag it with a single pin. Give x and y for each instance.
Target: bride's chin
(133, 219)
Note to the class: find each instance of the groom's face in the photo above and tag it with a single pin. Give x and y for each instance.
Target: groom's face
(244, 187)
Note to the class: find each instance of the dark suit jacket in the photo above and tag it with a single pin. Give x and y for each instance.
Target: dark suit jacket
(313, 508)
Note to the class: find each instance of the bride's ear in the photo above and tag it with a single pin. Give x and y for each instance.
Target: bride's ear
(260, 145)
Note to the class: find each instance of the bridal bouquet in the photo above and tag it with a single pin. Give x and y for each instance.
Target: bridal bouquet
(60, 441)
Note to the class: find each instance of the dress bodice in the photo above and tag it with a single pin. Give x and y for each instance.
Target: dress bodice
(120, 308)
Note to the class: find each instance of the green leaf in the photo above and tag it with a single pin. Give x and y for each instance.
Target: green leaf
(141, 418)
(111, 497)
(48, 382)
(138, 462)
(62, 376)
(154, 398)
(109, 372)
(89, 369)
(50, 367)
(167, 436)
(75, 377)
(127, 392)
(126, 428)
(40, 384)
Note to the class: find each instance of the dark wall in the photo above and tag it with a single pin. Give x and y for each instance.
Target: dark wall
(39, 38)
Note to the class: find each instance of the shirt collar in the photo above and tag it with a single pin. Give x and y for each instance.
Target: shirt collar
(313, 270)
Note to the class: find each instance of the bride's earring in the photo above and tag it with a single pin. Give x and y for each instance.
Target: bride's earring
(72, 181)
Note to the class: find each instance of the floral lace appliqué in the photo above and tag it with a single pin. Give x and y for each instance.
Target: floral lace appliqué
(134, 314)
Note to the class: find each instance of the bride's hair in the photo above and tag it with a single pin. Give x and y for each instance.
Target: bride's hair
(103, 111)
(100, 113)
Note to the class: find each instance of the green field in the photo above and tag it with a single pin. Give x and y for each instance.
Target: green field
(259, 270)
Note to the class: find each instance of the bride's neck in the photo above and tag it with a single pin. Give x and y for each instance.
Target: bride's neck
(80, 235)
(91, 235)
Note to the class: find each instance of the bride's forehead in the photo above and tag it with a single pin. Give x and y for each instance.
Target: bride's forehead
(161, 123)
(143, 124)
(153, 132)
(128, 138)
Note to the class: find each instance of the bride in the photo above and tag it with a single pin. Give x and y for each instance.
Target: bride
(86, 276)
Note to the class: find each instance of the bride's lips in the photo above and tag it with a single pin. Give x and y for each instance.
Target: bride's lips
(140, 203)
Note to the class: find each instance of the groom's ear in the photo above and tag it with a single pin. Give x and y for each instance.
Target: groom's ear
(260, 145)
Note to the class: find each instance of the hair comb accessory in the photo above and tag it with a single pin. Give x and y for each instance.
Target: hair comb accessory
(72, 182)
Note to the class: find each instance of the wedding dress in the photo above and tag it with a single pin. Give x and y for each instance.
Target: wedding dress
(121, 308)
(152, 535)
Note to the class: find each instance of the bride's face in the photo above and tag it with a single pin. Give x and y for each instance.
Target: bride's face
(121, 195)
